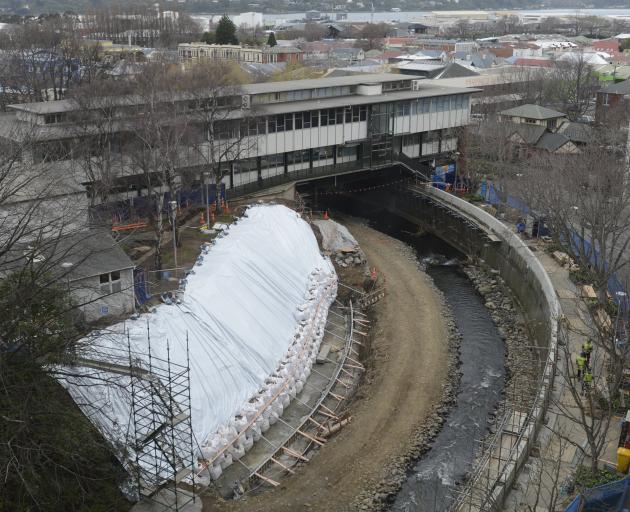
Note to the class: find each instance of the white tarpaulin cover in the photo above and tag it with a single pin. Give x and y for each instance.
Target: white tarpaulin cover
(254, 312)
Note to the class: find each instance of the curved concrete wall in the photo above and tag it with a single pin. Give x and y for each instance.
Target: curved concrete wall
(529, 281)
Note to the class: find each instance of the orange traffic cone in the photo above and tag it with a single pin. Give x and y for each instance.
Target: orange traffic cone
(326, 215)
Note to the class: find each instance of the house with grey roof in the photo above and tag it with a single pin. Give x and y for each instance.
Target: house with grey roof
(534, 115)
(538, 128)
(100, 274)
(89, 263)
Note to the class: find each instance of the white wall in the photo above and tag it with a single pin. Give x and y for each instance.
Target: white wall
(88, 292)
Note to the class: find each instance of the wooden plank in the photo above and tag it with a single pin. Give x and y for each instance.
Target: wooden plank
(294, 454)
(282, 465)
(268, 480)
(342, 383)
(310, 418)
(347, 372)
(336, 396)
(316, 440)
(329, 415)
(354, 361)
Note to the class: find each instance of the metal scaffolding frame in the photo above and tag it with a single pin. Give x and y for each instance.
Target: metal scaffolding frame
(498, 452)
(161, 432)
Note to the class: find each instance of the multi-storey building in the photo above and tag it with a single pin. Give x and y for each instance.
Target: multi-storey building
(238, 53)
(354, 122)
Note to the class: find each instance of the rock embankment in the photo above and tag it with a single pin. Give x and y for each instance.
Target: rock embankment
(523, 360)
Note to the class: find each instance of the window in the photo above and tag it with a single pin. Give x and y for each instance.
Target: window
(363, 113)
(271, 125)
(403, 109)
(110, 282)
(315, 118)
(306, 119)
(298, 121)
(262, 125)
(324, 117)
(339, 115)
(54, 118)
(355, 114)
(298, 157)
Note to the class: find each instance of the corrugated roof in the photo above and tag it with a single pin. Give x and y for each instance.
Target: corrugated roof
(532, 112)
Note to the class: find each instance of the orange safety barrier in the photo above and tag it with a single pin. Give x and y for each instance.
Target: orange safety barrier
(129, 227)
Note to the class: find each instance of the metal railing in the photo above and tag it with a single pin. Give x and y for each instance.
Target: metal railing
(325, 171)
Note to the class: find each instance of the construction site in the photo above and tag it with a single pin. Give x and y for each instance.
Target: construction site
(370, 344)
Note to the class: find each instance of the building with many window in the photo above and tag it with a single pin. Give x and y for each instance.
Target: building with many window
(238, 53)
(288, 127)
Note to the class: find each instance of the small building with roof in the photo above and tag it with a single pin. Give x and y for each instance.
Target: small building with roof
(611, 101)
(534, 115)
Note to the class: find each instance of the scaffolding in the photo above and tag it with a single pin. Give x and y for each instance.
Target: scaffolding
(162, 438)
(497, 453)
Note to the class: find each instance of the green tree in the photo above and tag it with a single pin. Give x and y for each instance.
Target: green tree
(208, 37)
(51, 458)
(226, 31)
(271, 40)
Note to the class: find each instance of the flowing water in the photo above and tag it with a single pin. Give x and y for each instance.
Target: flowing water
(435, 477)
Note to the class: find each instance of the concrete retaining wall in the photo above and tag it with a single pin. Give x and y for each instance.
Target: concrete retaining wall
(477, 233)
(531, 285)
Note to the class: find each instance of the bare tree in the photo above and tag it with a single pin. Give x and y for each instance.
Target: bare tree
(95, 122)
(50, 458)
(570, 85)
(585, 201)
(225, 128)
(44, 60)
(158, 143)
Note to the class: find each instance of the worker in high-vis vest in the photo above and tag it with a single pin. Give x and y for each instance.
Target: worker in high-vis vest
(580, 361)
(587, 381)
(587, 348)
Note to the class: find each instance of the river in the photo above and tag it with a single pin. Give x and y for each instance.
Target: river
(435, 476)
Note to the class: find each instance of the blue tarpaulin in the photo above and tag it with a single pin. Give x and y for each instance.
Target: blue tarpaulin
(611, 497)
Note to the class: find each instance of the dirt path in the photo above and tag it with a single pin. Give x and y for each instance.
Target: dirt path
(406, 370)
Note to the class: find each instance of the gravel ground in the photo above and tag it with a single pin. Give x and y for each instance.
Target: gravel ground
(408, 387)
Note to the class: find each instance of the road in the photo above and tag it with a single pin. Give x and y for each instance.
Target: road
(406, 367)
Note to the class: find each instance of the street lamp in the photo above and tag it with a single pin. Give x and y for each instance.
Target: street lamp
(620, 297)
(174, 214)
(205, 184)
